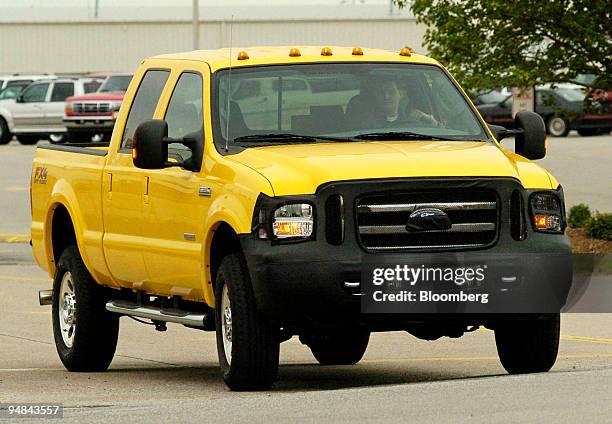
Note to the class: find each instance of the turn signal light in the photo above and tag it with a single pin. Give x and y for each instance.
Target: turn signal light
(357, 51)
(326, 51)
(547, 222)
(405, 51)
(294, 53)
(243, 55)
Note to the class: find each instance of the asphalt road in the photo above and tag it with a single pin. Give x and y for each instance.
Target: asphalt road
(174, 376)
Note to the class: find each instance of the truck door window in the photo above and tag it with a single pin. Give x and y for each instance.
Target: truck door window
(35, 93)
(61, 90)
(184, 114)
(144, 103)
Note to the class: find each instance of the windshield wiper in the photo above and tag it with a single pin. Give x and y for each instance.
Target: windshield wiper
(286, 137)
(401, 135)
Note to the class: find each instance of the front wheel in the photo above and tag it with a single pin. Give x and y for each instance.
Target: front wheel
(247, 342)
(557, 126)
(85, 332)
(528, 345)
(340, 349)
(5, 134)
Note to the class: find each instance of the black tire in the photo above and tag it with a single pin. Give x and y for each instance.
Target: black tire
(255, 342)
(557, 126)
(5, 134)
(96, 330)
(28, 140)
(340, 349)
(529, 345)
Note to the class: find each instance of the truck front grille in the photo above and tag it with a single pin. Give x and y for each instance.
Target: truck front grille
(381, 220)
(91, 107)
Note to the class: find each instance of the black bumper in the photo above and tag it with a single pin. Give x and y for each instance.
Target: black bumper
(295, 281)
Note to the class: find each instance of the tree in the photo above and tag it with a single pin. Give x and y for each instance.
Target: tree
(520, 43)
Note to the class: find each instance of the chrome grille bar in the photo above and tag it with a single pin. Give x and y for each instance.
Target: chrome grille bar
(410, 207)
(429, 246)
(469, 227)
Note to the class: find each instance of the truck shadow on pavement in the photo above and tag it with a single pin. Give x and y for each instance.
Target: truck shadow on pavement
(293, 377)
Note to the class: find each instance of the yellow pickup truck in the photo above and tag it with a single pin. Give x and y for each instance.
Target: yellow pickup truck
(209, 210)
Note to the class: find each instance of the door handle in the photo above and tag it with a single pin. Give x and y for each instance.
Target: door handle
(145, 194)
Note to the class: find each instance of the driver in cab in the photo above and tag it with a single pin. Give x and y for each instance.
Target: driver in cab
(388, 99)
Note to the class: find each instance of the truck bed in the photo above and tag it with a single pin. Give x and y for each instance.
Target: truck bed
(68, 174)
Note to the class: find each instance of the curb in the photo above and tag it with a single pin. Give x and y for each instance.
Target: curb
(14, 238)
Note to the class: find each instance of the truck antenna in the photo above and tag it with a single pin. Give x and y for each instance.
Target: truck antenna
(229, 88)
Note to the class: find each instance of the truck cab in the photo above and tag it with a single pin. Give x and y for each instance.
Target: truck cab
(258, 192)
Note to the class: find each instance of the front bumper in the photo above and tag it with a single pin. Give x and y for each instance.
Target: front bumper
(295, 281)
(89, 123)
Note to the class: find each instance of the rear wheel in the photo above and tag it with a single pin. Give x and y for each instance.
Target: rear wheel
(57, 138)
(557, 126)
(5, 134)
(528, 345)
(340, 349)
(28, 139)
(85, 332)
(247, 342)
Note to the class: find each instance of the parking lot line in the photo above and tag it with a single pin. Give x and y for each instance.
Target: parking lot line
(18, 278)
(587, 339)
(14, 238)
(14, 189)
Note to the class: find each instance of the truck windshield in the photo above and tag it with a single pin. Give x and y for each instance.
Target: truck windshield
(116, 83)
(303, 103)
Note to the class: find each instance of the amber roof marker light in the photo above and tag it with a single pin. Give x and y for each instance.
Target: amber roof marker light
(326, 51)
(243, 55)
(405, 51)
(294, 53)
(357, 51)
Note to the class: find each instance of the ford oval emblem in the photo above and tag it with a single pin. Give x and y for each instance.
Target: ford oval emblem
(428, 219)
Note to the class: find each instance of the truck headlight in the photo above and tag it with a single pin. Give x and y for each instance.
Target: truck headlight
(293, 220)
(546, 212)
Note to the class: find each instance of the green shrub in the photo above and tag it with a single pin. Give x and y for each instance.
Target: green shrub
(600, 226)
(579, 216)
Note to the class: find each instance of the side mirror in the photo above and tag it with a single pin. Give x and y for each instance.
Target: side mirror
(150, 145)
(530, 141)
(501, 132)
(19, 99)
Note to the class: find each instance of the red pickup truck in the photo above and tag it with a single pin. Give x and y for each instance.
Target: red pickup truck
(91, 117)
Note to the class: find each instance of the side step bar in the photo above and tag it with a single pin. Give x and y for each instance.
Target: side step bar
(177, 316)
(45, 297)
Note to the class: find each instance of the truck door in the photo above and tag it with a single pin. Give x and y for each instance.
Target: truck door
(125, 191)
(177, 200)
(28, 112)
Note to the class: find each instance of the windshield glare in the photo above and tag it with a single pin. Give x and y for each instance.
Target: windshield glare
(116, 83)
(342, 100)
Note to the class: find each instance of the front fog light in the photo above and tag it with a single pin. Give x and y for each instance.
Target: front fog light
(295, 220)
(546, 211)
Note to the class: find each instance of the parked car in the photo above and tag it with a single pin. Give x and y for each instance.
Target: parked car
(91, 117)
(13, 90)
(562, 107)
(7, 80)
(37, 112)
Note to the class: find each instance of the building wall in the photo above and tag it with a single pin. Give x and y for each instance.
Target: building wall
(65, 47)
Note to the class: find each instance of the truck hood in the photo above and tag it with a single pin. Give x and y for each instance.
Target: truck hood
(300, 169)
(108, 95)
